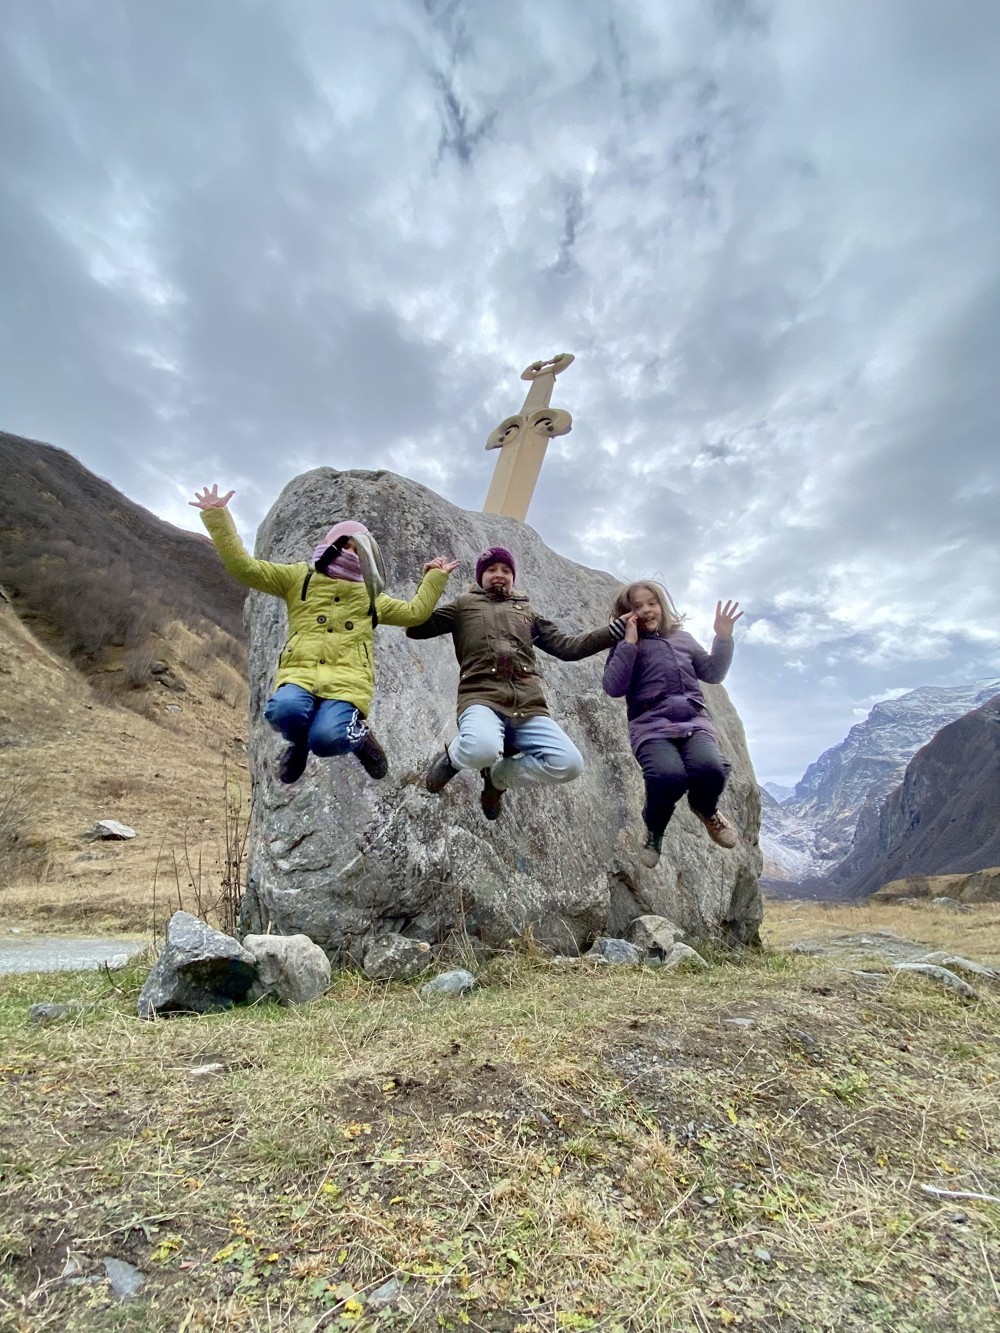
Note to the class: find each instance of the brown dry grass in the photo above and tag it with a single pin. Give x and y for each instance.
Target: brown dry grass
(85, 759)
(976, 932)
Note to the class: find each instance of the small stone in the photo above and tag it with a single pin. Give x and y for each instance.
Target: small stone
(456, 982)
(173, 708)
(125, 1280)
(738, 1022)
(653, 935)
(710, 1200)
(761, 1255)
(605, 950)
(110, 828)
(958, 1216)
(384, 1295)
(683, 955)
(201, 1071)
(50, 1013)
(952, 905)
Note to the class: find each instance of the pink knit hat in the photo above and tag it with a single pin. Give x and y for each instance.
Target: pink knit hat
(346, 529)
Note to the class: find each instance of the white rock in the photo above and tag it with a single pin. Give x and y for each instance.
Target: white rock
(290, 967)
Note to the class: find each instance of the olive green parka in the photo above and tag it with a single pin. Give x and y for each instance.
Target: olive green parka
(329, 650)
(495, 639)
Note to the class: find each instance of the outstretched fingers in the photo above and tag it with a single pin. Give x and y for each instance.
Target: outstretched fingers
(210, 499)
(726, 617)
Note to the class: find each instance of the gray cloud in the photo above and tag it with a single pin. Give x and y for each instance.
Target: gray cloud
(240, 241)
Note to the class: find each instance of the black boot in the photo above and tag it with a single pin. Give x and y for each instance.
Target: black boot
(491, 797)
(440, 772)
(371, 757)
(292, 763)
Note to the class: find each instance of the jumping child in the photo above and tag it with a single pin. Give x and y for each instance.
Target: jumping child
(657, 667)
(326, 675)
(504, 727)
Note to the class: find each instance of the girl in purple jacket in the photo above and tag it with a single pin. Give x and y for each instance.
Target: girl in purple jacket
(657, 667)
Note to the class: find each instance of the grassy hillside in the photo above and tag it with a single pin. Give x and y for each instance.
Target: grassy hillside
(71, 754)
(122, 696)
(571, 1148)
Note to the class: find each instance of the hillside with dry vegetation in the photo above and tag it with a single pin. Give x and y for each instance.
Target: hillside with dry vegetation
(122, 696)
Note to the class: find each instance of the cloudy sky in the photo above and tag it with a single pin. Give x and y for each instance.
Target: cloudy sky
(245, 238)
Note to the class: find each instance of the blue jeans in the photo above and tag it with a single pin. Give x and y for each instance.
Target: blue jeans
(546, 753)
(325, 726)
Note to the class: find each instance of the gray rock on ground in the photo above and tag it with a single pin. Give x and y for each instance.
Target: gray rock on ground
(110, 830)
(198, 971)
(51, 1013)
(948, 979)
(289, 967)
(341, 859)
(455, 982)
(605, 950)
(653, 936)
(395, 957)
(682, 955)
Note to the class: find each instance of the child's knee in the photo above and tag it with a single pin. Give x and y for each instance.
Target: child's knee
(566, 765)
(478, 752)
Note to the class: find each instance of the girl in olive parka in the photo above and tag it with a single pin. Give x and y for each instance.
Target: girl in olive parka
(326, 674)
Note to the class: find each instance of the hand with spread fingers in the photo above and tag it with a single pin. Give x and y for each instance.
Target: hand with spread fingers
(725, 618)
(441, 562)
(211, 499)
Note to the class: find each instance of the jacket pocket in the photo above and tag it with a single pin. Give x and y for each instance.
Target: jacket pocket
(285, 656)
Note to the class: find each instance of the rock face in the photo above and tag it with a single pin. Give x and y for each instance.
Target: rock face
(944, 818)
(836, 805)
(343, 859)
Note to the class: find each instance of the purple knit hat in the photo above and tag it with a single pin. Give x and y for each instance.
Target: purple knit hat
(494, 555)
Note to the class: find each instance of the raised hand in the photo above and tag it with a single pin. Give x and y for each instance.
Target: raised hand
(631, 628)
(725, 618)
(211, 499)
(441, 562)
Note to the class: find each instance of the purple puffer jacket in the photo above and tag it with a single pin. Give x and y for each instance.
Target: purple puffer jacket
(659, 679)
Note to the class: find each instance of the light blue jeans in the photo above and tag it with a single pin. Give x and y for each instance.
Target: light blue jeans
(547, 753)
(326, 726)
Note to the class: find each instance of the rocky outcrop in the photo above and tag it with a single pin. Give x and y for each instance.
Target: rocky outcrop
(343, 859)
(944, 818)
(982, 886)
(836, 806)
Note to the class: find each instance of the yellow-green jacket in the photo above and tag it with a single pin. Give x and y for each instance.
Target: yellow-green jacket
(329, 651)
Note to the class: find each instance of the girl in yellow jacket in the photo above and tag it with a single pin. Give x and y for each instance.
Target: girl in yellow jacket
(326, 674)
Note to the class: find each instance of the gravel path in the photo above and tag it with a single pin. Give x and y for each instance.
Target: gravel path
(56, 953)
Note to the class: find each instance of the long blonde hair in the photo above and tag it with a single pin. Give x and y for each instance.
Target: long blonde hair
(671, 618)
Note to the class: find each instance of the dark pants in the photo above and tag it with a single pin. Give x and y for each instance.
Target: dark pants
(692, 764)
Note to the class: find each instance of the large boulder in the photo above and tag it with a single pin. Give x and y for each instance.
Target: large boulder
(341, 858)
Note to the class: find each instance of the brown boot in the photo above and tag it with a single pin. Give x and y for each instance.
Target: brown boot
(719, 829)
(371, 757)
(440, 773)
